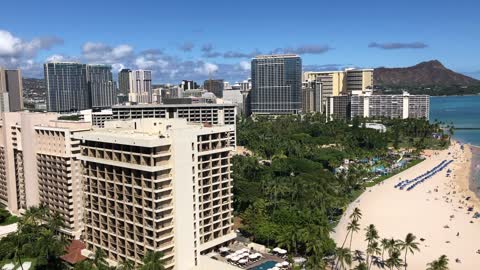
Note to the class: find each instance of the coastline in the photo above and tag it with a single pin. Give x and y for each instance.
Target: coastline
(464, 176)
(474, 185)
(435, 211)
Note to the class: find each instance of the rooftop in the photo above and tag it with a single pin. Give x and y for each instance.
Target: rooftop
(211, 105)
(268, 56)
(74, 250)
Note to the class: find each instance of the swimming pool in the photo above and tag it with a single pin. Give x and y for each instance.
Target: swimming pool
(265, 265)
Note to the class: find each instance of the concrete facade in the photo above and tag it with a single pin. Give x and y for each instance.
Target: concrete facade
(39, 165)
(158, 185)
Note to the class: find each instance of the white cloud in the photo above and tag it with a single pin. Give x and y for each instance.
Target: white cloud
(244, 65)
(147, 63)
(206, 69)
(55, 58)
(100, 52)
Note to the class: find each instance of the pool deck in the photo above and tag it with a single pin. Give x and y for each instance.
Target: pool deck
(266, 258)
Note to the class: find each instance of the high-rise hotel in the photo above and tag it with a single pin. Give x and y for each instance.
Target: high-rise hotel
(158, 185)
(276, 84)
(76, 87)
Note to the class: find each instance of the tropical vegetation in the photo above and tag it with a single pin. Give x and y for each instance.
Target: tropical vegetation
(289, 193)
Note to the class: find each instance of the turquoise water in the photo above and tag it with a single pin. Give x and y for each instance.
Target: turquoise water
(464, 112)
(265, 265)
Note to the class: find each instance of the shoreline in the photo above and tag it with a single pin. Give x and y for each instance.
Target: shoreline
(435, 211)
(464, 177)
(473, 184)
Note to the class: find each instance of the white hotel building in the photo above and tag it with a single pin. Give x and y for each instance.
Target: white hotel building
(158, 185)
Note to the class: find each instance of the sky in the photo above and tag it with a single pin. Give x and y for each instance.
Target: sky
(201, 39)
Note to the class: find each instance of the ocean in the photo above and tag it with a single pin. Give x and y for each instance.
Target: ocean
(464, 112)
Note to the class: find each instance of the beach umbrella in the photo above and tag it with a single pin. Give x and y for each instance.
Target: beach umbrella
(258, 254)
(224, 249)
(228, 257)
(279, 265)
(282, 251)
(253, 256)
(243, 261)
(235, 259)
(285, 263)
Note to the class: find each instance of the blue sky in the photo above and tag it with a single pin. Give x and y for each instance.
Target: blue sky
(192, 39)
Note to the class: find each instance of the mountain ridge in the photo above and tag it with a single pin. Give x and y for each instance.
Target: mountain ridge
(428, 73)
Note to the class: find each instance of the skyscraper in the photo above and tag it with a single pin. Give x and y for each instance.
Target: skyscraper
(13, 78)
(276, 84)
(67, 87)
(101, 86)
(11, 90)
(215, 87)
(124, 84)
(141, 91)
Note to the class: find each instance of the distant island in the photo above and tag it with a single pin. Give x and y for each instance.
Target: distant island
(431, 78)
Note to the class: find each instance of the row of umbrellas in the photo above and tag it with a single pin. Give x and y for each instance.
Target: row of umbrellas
(242, 256)
(420, 179)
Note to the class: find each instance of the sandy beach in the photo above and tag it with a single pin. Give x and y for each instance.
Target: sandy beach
(435, 210)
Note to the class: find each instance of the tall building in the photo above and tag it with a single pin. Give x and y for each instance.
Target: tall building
(358, 79)
(59, 172)
(391, 106)
(276, 84)
(18, 167)
(11, 90)
(158, 185)
(338, 107)
(187, 85)
(141, 91)
(67, 87)
(14, 86)
(125, 84)
(39, 165)
(214, 86)
(343, 82)
(364, 104)
(101, 86)
(4, 100)
(312, 97)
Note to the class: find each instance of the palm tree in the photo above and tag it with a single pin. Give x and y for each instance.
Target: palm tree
(440, 264)
(356, 214)
(99, 259)
(384, 244)
(352, 226)
(49, 246)
(358, 256)
(409, 245)
(126, 265)
(371, 235)
(394, 261)
(392, 246)
(372, 250)
(344, 257)
(153, 261)
(378, 262)
(361, 266)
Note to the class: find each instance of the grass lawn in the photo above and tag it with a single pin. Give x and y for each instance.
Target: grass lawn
(24, 260)
(9, 220)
